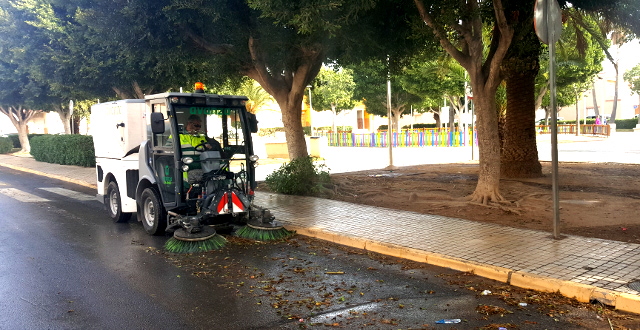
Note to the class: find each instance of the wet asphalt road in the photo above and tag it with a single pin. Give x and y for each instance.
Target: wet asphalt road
(65, 265)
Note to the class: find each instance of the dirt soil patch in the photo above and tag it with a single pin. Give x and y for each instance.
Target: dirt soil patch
(596, 199)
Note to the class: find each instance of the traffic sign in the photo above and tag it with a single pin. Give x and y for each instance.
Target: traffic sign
(547, 20)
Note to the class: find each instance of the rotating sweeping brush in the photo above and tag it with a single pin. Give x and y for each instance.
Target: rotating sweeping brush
(205, 240)
(264, 231)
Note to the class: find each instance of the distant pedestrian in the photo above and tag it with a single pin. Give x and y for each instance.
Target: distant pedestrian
(598, 122)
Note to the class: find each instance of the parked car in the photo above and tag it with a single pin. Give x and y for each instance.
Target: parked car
(547, 121)
(607, 117)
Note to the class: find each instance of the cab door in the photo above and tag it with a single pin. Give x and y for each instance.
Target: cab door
(163, 156)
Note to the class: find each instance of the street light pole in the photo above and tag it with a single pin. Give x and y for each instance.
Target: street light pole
(310, 111)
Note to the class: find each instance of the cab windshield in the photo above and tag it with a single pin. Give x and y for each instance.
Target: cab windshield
(213, 127)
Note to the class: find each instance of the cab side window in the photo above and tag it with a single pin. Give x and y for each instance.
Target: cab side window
(165, 139)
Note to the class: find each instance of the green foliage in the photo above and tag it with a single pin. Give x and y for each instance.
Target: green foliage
(299, 177)
(248, 87)
(579, 60)
(333, 90)
(5, 145)
(371, 86)
(70, 149)
(432, 79)
(632, 77)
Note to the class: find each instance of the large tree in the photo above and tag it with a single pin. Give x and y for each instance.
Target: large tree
(460, 27)
(21, 96)
(519, 154)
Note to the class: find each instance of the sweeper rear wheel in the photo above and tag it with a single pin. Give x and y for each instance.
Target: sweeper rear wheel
(114, 204)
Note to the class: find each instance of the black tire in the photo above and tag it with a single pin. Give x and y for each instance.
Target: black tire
(114, 204)
(152, 213)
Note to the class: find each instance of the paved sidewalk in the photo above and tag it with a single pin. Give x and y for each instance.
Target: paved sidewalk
(585, 268)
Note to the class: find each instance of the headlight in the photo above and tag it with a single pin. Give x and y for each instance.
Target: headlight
(185, 168)
(187, 160)
(254, 158)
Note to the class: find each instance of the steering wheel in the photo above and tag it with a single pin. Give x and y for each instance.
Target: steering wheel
(202, 147)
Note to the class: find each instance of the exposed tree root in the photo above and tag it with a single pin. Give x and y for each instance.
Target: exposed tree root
(498, 206)
(485, 197)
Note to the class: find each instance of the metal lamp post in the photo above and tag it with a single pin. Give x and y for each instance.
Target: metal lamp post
(310, 111)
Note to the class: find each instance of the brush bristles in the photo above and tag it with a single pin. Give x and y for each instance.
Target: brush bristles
(177, 246)
(263, 234)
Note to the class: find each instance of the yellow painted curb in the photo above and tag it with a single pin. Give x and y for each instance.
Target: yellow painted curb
(628, 303)
(535, 282)
(581, 292)
(491, 272)
(57, 177)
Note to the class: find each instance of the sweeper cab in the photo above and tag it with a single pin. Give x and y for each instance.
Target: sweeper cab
(183, 162)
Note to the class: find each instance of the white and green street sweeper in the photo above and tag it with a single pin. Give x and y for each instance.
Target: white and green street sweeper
(184, 163)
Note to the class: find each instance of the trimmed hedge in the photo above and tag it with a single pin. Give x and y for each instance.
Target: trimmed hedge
(16, 140)
(68, 149)
(5, 145)
(626, 123)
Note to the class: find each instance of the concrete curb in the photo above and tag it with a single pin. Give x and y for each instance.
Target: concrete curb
(581, 292)
(57, 177)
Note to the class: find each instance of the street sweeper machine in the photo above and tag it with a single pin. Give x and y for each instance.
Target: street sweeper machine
(184, 163)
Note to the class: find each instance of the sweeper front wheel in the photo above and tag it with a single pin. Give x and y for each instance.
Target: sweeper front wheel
(154, 217)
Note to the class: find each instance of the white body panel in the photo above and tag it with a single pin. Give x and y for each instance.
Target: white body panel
(118, 169)
(118, 127)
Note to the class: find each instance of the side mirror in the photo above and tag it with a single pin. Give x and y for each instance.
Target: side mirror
(253, 122)
(157, 123)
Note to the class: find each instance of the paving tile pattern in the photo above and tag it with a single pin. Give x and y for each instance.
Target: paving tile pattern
(601, 263)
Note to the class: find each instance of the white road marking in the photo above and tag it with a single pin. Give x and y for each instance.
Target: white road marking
(21, 195)
(70, 193)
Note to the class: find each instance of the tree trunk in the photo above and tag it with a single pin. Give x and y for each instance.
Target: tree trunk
(333, 118)
(596, 112)
(23, 137)
(395, 118)
(612, 120)
(19, 118)
(65, 117)
(452, 114)
(488, 147)
(519, 157)
(291, 109)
